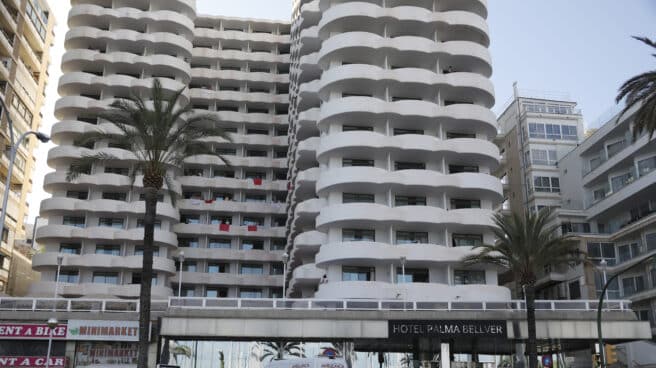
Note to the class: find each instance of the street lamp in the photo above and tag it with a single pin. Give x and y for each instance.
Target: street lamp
(12, 156)
(52, 323)
(36, 220)
(60, 260)
(285, 258)
(181, 261)
(604, 270)
(405, 289)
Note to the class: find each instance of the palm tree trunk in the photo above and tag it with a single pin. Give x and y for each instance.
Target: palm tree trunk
(531, 344)
(146, 276)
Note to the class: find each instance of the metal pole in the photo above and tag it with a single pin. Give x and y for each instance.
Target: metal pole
(36, 219)
(49, 348)
(285, 258)
(405, 289)
(181, 258)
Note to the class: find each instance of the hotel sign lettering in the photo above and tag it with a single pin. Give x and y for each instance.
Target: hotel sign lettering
(447, 328)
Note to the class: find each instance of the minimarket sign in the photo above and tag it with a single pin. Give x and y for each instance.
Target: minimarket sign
(94, 330)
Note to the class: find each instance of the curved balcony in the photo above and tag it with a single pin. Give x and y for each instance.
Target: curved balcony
(198, 94)
(236, 55)
(212, 254)
(93, 290)
(74, 82)
(67, 233)
(467, 55)
(418, 216)
(411, 291)
(57, 181)
(256, 118)
(159, 42)
(214, 34)
(73, 105)
(63, 154)
(75, 60)
(305, 275)
(62, 205)
(81, 15)
(235, 230)
(421, 81)
(276, 163)
(46, 261)
(460, 116)
(375, 253)
(356, 179)
(473, 151)
(199, 278)
(231, 206)
(450, 25)
(237, 76)
(230, 183)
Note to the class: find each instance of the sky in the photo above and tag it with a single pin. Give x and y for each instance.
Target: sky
(581, 48)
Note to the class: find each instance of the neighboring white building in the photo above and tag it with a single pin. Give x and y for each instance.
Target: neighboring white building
(228, 220)
(391, 155)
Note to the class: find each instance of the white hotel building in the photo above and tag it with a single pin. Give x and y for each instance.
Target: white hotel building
(362, 147)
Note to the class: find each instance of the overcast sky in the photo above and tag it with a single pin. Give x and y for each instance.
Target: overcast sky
(582, 48)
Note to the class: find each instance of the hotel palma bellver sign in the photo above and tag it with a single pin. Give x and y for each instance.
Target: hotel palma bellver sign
(447, 328)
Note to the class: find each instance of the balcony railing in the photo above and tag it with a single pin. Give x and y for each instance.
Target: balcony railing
(132, 306)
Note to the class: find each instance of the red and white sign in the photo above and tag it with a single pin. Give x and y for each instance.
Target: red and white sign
(30, 331)
(31, 361)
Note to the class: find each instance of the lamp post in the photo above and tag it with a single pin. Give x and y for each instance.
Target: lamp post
(52, 323)
(602, 352)
(181, 261)
(12, 156)
(604, 270)
(285, 258)
(405, 289)
(36, 220)
(60, 260)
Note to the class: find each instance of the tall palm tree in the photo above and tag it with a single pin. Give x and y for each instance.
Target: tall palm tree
(641, 89)
(162, 131)
(276, 350)
(527, 243)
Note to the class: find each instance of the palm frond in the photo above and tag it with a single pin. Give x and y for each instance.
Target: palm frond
(84, 164)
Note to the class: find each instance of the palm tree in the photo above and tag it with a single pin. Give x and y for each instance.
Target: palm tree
(162, 131)
(176, 349)
(641, 89)
(526, 245)
(276, 350)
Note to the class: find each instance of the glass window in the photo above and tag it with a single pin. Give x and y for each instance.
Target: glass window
(219, 243)
(465, 203)
(116, 223)
(69, 276)
(70, 248)
(468, 277)
(257, 198)
(357, 198)
(188, 242)
(249, 221)
(351, 128)
(115, 196)
(108, 249)
(190, 219)
(117, 170)
(276, 269)
(454, 169)
(409, 201)
(251, 269)
(138, 251)
(105, 278)
(546, 184)
(411, 237)
(136, 279)
(632, 285)
(599, 251)
(536, 130)
(256, 153)
(216, 293)
(409, 166)
(553, 131)
(620, 181)
(456, 135)
(254, 175)
(398, 131)
(278, 244)
(250, 293)
(358, 235)
(77, 195)
(467, 240)
(569, 132)
(188, 266)
(357, 162)
(411, 275)
(74, 221)
(220, 219)
(218, 268)
(252, 244)
(140, 224)
(646, 166)
(358, 273)
(651, 243)
(614, 148)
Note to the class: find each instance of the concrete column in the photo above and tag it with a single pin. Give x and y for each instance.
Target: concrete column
(445, 355)
(152, 355)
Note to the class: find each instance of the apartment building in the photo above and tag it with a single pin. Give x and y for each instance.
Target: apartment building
(229, 220)
(391, 153)
(26, 34)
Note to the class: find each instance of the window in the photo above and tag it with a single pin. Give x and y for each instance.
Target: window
(252, 244)
(398, 131)
(188, 242)
(253, 131)
(160, 197)
(454, 169)
(575, 227)
(358, 235)
(219, 243)
(544, 157)
(276, 269)
(575, 290)
(193, 172)
(278, 244)
(599, 251)
(224, 174)
(254, 175)
(468, 277)
(190, 219)
(411, 275)
(280, 175)
(257, 198)
(280, 197)
(280, 153)
(281, 131)
(569, 132)
(356, 162)
(220, 219)
(138, 251)
(628, 251)
(38, 17)
(536, 130)
(553, 131)
(73, 221)
(250, 293)
(115, 196)
(141, 224)
(614, 148)
(457, 135)
(620, 181)
(105, 278)
(650, 240)
(546, 184)
(251, 269)
(409, 201)
(116, 223)
(278, 221)
(613, 291)
(218, 268)
(465, 203)
(632, 285)
(411, 237)
(77, 195)
(358, 273)
(353, 128)
(216, 293)
(467, 240)
(70, 248)
(357, 198)
(226, 151)
(69, 276)
(187, 266)
(108, 249)
(117, 170)
(256, 153)
(136, 279)
(646, 166)
(409, 166)
(249, 221)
